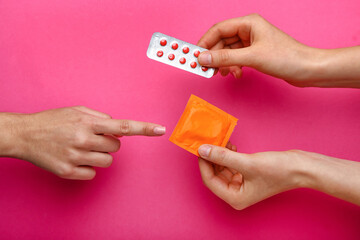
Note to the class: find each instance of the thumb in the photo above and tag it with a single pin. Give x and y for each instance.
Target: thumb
(225, 57)
(222, 156)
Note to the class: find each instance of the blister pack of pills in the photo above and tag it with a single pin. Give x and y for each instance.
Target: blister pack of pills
(178, 54)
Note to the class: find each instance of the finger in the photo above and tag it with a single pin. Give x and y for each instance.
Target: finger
(231, 146)
(224, 71)
(218, 168)
(226, 29)
(216, 71)
(223, 156)
(236, 182)
(128, 128)
(108, 144)
(235, 71)
(95, 159)
(100, 143)
(234, 148)
(226, 173)
(236, 45)
(92, 112)
(226, 57)
(217, 185)
(82, 173)
(225, 42)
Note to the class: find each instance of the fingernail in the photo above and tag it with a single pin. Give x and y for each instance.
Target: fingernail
(205, 58)
(159, 130)
(204, 150)
(234, 74)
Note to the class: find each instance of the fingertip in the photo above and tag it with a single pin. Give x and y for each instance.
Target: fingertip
(205, 58)
(224, 71)
(204, 151)
(239, 73)
(234, 148)
(159, 130)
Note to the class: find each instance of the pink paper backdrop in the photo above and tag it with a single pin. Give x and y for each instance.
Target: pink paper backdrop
(93, 53)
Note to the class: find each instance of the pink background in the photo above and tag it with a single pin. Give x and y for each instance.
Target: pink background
(93, 53)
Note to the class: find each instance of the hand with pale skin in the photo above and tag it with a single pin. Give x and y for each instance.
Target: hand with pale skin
(251, 41)
(242, 180)
(68, 142)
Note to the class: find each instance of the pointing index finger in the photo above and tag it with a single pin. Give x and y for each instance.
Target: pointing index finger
(122, 127)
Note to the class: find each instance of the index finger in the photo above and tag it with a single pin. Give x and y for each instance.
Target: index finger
(225, 29)
(121, 127)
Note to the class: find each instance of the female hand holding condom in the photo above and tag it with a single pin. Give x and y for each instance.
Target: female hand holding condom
(244, 179)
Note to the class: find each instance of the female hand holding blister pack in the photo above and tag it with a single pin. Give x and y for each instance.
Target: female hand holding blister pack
(251, 41)
(244, 179)
(68, 142)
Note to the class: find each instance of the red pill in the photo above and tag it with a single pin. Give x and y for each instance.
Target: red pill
(185, 50)
(159, 53)
(174, 46)
(196, 53)
(204, 69)
(171, 56)
(193, 64)
(182, 60)
(163, 42)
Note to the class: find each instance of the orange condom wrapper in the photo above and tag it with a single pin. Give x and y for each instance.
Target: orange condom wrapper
(202, 123)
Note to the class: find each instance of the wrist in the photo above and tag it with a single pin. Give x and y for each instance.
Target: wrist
(10, 128)
(332, 68)
(312, 68)
(301, 169)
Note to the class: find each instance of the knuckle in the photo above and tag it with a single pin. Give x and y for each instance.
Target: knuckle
(72, 155)
(237, 203)
(90, 175)
(222, 156)
(96, 125)
(147, 130)
(255, 15)
(238, 206)
(82, 140)
(223, 57)
(125, 128)
(295, 153)
(214, 26)
(118, 145)
(115, 145)
(64, 171)
(108, 161)
(84, 119)
(79, 107)
(107, 116)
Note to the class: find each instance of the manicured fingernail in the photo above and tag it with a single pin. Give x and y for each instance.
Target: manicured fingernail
(204, 150)
(159, 130)
(205, 58)
(234, 74)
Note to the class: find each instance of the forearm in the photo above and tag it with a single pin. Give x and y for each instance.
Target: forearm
(8, 131)
(335, 67)
(336, 177)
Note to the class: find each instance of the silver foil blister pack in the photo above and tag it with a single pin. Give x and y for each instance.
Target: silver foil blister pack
(177, 53)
